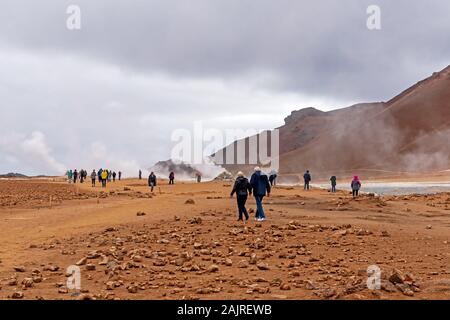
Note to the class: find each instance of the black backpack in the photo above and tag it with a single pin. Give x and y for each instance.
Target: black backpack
(242, 187)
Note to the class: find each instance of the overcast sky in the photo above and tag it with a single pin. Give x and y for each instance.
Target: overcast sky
(111, 93)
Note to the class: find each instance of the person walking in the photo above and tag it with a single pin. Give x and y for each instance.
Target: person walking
(114, 176)
(120, 175)
(99, 176)
(307, 178)
(93, 177)
(242, 188)
(140, 174)
(152, 181)
(104, 178)
(75, 176)
(70, 175)
(260, 186)
(356, 185)
(109, 175)
(172, 177)
(273, 178)
(333, 184)
(81, 175)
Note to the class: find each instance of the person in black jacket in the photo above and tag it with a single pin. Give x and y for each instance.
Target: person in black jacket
(307, 178)
(261, 187)
(242, 188)
(152, 181)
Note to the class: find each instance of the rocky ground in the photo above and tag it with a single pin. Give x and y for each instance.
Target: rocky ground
(183, 242)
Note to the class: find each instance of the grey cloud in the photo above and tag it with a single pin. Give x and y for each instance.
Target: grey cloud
(319, 48)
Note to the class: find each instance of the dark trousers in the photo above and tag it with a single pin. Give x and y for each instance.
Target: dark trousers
(355, 193)
(152, 185)
(171, 181)
(93, 182)
(333, 188)
(241, 200)
(306, 185)
(104, 183)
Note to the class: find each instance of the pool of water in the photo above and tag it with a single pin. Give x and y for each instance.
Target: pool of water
(397, 188)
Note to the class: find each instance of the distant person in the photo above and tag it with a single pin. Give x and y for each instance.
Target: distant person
(75, 176)
(99, 176)
(356, 185)
(307, 178)
(109, 175)
(93, 177)
(273, 178)
(261, 187)
(114, 176)
(140, 175)
(172, 177)
(199, 177)
(152, 181)
(333, 183)
(70, 175)
(104, 178)
(242, 188)
(120, 175)
(82, 176)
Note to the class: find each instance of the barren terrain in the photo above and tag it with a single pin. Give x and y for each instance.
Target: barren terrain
(183, 242)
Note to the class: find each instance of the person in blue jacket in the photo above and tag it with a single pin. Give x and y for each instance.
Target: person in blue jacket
(261, 188)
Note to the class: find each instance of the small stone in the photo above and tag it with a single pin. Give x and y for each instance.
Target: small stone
(396, 277)
(213, 268)
(63, 290)
(28, 282)
(198, 245)
(262, 266)
(132, 288)
(17, 295)
(90, 267)
(189, 201)
(82, 261)
(285, 286)
(140, 213)
(228, 262)
(19, 268)
(253, 258)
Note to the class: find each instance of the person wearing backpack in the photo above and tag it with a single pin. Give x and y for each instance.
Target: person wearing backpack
(333, 184)
(242, 188)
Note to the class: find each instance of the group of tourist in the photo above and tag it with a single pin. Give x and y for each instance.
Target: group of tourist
(260, 186)
(102, 176)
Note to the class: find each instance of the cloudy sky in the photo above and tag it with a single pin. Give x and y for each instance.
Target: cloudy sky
(111, 93)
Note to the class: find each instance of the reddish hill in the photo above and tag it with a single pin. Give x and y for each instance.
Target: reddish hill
(409, 133)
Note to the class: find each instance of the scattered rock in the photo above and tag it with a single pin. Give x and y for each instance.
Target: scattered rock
(90, 267)
(17, 295)
(396, 277)
(262, 266)
(19, 268)
(81, 262)
(213, 268)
